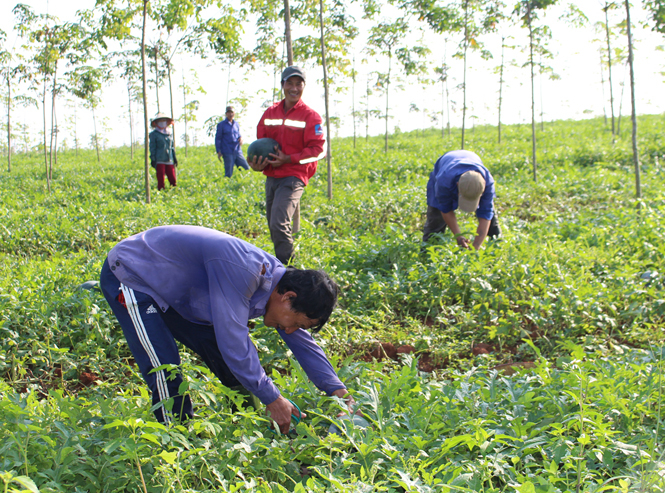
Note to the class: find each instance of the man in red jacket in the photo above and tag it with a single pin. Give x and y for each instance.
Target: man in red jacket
(298, 130)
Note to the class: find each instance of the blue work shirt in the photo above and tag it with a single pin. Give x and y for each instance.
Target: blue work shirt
(212, 278)
(227, 138)
(442, 190)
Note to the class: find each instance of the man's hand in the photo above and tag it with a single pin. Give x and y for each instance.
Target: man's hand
(350, 402)
(279, 158)
(219, 156)
(258, 163)
(280, 411)
(463, 242)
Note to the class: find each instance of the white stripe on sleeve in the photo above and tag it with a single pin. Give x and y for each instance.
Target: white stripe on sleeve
(320, 156)
(295, 123)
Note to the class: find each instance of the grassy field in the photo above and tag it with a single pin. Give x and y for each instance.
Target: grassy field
(533, 365)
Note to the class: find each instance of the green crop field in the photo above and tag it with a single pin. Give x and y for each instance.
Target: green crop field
(533, 365)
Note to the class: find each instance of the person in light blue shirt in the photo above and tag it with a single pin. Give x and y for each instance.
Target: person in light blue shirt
(461, 181)
(227, 143)
(201, 287)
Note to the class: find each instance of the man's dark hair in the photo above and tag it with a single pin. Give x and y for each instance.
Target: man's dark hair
(316, 293)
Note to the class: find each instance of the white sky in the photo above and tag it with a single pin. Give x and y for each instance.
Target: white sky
(578, 93)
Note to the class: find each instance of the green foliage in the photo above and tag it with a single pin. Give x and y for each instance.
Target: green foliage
(575, 286)
(656, 10)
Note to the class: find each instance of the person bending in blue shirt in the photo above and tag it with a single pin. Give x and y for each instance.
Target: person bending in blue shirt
(460, 181)
(201, 287)
(228, 141)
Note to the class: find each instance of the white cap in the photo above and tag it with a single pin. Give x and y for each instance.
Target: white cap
(471, 186)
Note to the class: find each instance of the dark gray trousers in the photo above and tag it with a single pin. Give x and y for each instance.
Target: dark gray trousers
(282, 200)
(434, 223)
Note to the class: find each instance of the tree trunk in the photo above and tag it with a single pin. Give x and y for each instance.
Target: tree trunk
(287, 32)
(540, 79)
(274, 83)
(602, 83)
(184, 110)
(53, 128)
(390, 59)
(466, 45)
(503, 46)
(533, 97)
(443, 104)
(444, 79)
(609, 64)
(76, 139)
(623, 86)
(367, 112)
(633, 115)
(9, 124)
(228, 84)
(48, 178)
(157, 78)
(447, 104)
(325, 86)
(55, 139)
(146, 160)
(289, 55)
(168, 68)
(131, 121)
(94, 123)
(353, 101)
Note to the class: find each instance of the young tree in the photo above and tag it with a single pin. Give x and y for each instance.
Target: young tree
(353, 99)
(633, 114)
(66, 41)
(443, 74)
(479, 17)
(622, 84)
(527, 11)
(368, 92)
(73, 122)
(602, 84)
(129, 69)
(85, 83)
(190, 107)
(607, 7)
(12, 70)
(500, 70)
(50, 42)
(289, 44)
(146, 128)
(387, 38)
(325, 85)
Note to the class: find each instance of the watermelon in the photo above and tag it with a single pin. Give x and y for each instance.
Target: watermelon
(261, 148)
(90, 285)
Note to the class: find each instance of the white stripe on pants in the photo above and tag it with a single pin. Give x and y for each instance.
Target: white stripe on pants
(135, 315)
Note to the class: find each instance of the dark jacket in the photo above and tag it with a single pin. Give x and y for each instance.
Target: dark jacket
(161, 148)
